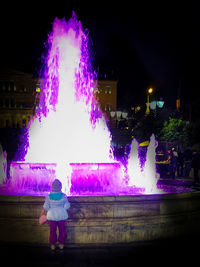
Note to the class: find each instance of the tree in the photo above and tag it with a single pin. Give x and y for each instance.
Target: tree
(176, 130)
(147, 126)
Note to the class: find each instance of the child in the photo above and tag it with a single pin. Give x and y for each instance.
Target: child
(56, 205)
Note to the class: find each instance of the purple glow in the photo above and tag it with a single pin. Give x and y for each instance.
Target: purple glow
(151, 177)
(68, 128)
(134, 170)
(143, 177)
(86, 178)
(69, 138)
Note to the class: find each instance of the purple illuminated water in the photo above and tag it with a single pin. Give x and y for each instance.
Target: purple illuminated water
(69, 127)
(69, 138)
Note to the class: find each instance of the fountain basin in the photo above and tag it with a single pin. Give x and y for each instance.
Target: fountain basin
(103, 219)
(85, 178)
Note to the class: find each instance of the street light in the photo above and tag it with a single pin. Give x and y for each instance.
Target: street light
(124, 114)
(160, 103)
(119, 113)
(154, 104)
(112, 114)
(149, 92)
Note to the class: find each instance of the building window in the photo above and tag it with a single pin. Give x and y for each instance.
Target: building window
(108, 90)
(13, 102)
(1, 86)
(107, 107)
(12, 87)
(24, 123)
(98, 90)
(1, 103)
(7, 102)
(7, 86)
(23, 88)
(14, 125)
(7, 123)
(21, 105)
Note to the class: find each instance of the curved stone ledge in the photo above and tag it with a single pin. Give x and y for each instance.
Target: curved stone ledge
(103, 219)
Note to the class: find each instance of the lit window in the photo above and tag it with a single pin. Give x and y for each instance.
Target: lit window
(107, 107)
(98, 91)
(108, 90)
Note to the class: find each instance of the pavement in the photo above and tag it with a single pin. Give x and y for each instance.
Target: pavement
(175, 251)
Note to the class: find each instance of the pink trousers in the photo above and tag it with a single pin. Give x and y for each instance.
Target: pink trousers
(62, 232)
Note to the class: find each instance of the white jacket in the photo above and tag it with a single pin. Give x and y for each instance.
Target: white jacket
(56, 205)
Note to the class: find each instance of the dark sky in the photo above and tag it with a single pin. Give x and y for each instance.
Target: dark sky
(140, 47)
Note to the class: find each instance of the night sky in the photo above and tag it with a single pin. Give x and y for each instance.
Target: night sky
(140, 47)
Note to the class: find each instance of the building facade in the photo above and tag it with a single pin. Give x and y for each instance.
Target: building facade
(19, 95)
(17, 98)
(106, 94)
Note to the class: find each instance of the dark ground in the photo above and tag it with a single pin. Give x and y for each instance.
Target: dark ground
(176, 251)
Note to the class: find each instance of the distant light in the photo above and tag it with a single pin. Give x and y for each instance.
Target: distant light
(145, 143)
(38, 90)
(124, 115)
(119, 113)
(150, 90)
(160, 103)
(178, 104)
(112, 114)
(153, 105)
(138, 108)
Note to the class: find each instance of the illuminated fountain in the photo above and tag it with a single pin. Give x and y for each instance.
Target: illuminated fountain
(69, 139)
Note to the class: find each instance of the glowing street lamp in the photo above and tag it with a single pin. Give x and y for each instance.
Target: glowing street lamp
(154, 104)
(149, 92)
(160, 103)
(119, 113)
(124, 114)
(112, 114)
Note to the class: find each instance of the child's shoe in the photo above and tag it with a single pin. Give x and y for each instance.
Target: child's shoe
(53, 247)
(61, 246)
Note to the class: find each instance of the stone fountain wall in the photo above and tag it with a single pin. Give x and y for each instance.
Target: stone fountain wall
(103, 220)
